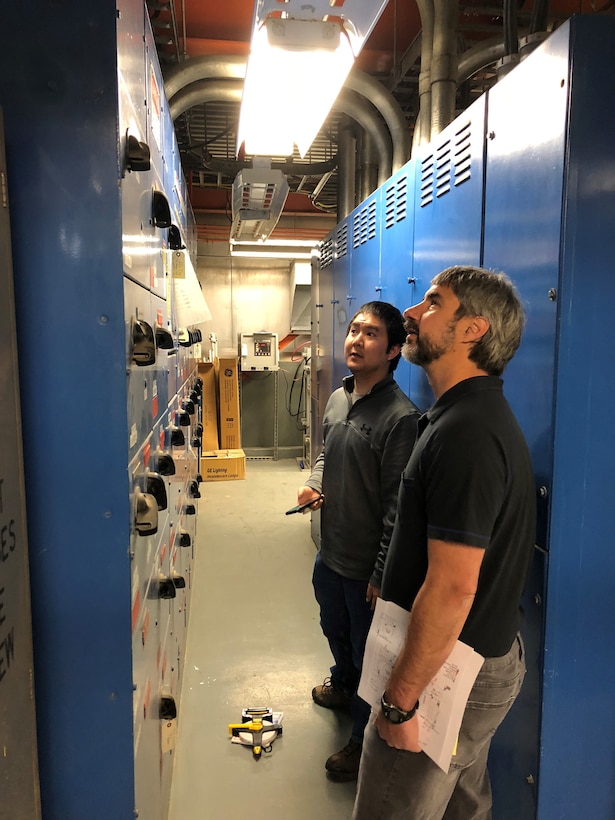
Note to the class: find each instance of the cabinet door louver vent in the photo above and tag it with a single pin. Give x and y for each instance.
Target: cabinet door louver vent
(341, 241)
(427, 169)
(462, 159)
(450, 164)
(396, 201)
(443, 169)
(326, 253)
(364, 225)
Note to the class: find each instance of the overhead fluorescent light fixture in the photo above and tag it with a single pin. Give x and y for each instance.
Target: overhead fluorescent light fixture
(300, 56)
(274, 248)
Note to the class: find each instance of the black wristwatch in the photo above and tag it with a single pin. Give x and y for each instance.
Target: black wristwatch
(394, 714)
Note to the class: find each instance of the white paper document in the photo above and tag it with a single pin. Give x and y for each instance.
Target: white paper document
(444, 699)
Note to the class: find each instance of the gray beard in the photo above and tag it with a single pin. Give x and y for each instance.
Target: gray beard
(424, 352)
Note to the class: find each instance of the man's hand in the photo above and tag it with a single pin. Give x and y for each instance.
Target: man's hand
(372, 596)
(399, 735)
(305, 495)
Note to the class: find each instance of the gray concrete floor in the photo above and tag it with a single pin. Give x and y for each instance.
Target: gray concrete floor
(254, 639)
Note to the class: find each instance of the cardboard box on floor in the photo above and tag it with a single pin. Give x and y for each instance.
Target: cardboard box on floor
(229, 428)
(209, 406)
(223, 465)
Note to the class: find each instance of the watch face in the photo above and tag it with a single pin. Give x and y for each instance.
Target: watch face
(395, 716)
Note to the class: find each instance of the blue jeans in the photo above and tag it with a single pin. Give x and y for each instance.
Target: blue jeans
(345, 618)
(399, 785)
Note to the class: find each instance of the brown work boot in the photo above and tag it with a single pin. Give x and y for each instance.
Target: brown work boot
(344, 765)
(327, 695)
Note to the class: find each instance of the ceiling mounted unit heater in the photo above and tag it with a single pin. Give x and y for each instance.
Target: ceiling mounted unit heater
(259, 195)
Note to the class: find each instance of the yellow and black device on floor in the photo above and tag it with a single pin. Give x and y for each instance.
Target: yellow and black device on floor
(259, 727)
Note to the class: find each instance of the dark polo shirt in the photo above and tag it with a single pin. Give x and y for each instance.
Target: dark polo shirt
(469, 480)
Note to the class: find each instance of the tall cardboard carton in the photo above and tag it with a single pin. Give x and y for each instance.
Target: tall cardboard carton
(229, 428)
(209, 405)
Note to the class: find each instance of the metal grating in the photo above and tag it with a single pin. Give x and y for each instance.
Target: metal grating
(396, 202)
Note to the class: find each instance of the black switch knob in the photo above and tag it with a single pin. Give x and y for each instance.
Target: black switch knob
(161, 211)
(184, 539)
(183, 418)
(164, 339)
(175, 239)
(190, 509)
(157, 488)
(166, 465)
(188, 406)
(143, 345)
(137, 155)
(178, 580)
(168, 708)
(175, 437)
(161, 587)
(194, 489)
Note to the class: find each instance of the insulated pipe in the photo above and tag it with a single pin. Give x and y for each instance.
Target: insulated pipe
(478, 57)
(348, 103)
(540, 16)
(347, 168)
(422, 128)
(390, 110)
(230, 67)
(368, 170)
(511, 28)
(234, 66)
(360, 110)
(444, 65)
(204, 91)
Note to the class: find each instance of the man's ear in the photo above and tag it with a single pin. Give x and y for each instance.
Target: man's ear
(395, 349)
(476, 327)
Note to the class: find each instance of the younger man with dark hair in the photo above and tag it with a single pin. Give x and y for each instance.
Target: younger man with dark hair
(369, 427)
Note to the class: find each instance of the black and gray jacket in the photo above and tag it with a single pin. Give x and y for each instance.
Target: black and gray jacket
(366, 445)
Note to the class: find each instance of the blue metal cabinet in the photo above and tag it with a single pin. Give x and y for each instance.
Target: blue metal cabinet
(364, 283)
(448, 209)
(448, 196)
(523, 195)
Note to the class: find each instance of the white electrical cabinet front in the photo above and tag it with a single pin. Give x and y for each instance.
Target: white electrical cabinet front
(258, 351)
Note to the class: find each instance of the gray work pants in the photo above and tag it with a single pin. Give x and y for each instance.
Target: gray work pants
(399, 785)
